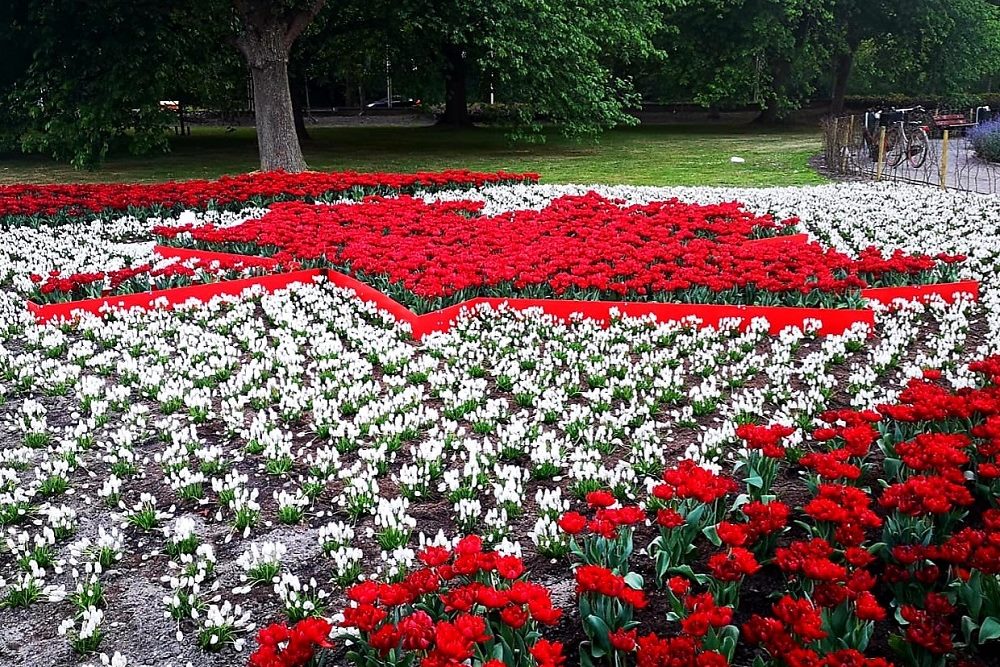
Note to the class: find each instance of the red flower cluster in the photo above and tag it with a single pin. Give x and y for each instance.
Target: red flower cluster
(810, 559)
(934, 452)
(851, 437)
(968, 549)
(481, 595)
(833, 465)
(925, 401)
(56, 287)
(697, 646)
(682, 651)
(733, 564)
(846, 507)
(281, 646)
(987, 448)
(703, 614)
(853, 428)
(688, 480)
(76, 199)
(602, 581)
(791, 633)
(990, 367)
(765, 438)
(606, 521)
(764, 519)
(577, 246)
(928, 494)
(930, 627)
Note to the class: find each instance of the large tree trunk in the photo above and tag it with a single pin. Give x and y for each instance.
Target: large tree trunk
(772, 111)
(268, 31)
(276, 137)
(842, 65)
(456, 93)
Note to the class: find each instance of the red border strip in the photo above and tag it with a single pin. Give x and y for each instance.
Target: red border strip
(947, 291)
(834, 320)
(173, 297)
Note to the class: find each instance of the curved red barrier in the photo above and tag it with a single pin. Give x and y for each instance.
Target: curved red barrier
(947, 291)
(171, 297)
(834, 321)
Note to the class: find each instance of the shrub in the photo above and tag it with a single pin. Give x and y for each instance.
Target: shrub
(985, 140)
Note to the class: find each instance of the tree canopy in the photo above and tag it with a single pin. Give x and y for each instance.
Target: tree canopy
(80, 80)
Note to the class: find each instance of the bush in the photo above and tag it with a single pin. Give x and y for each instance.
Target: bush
(985, 140)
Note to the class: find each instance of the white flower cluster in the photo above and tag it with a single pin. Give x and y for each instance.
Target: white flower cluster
(214, 432)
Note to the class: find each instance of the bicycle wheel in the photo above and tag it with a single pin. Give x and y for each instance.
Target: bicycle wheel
(917, 146)
(894, 146)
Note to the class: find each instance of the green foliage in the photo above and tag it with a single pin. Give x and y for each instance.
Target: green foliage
(566, 63)
(87, 77)
(778, 53)
(645, 155)
(941, 48)
(736, 52)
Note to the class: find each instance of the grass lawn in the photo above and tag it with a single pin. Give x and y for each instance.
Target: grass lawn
(646, 155)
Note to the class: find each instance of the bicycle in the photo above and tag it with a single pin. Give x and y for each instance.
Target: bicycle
(905, 139)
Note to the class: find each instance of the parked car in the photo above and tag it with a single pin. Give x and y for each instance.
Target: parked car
(397, 101)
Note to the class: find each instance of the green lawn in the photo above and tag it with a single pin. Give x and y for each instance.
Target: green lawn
(648, 155)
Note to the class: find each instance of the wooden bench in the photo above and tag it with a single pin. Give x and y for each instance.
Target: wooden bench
(952, 121)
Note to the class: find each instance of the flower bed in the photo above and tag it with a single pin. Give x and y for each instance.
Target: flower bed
(287, 474)
(169, 297)
(900, 513)
(165, 275)
(985, 140)
(428, 256)
(35, 204)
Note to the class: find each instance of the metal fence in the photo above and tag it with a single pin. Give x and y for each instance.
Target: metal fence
(864, 147)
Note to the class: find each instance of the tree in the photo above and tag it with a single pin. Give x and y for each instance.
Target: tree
(854, 22)
(87, 77)
(267, 30)
(82, 78)
(738, 52)
(937, 47)
(559, 61)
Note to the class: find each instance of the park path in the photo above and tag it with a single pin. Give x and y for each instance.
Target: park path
(965, 171)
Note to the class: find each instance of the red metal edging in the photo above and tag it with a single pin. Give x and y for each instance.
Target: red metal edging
(834, 321)
(168, 298)
(947, 291)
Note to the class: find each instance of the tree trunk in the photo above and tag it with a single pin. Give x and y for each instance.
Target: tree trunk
(842, 65)
(456, 94)
(276, 138)
(268, 31)
(771, 112)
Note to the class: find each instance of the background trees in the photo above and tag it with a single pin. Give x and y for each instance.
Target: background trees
(79, 80)
(564, 62)
(82, 78)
